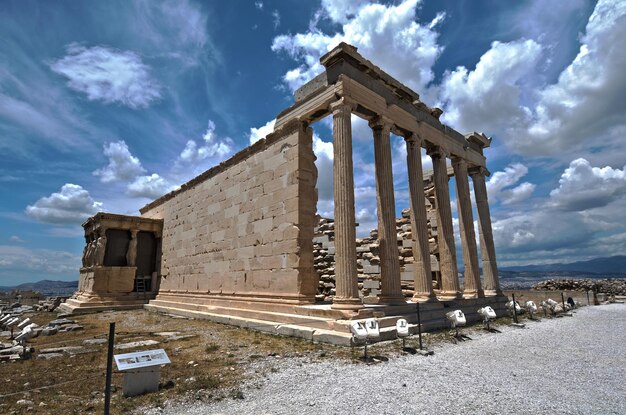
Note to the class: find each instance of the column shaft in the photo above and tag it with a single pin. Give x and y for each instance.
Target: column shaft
(347, 290)
(422, 274)
(471, 288)
(445, 236)
(487, 247)
(391, 289)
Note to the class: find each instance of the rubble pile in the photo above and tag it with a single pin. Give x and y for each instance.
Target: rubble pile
(49, 304)
(19, 330)
(367, 251)
(606, 286)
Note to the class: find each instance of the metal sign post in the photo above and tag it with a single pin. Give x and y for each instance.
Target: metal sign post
(107, 385)
(419, 325)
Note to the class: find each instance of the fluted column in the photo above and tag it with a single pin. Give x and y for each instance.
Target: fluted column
(487, 247)
(471, 288)
(391, 288)
(346, 285)
(422, 274)
(445, 231)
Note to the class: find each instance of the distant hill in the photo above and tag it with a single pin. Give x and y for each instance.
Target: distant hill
(46, 287)
(609, 265)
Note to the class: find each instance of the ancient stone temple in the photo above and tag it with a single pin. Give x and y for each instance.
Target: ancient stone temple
(121, 262)
(236, 244)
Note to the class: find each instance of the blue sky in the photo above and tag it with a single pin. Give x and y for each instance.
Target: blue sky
(106, 105)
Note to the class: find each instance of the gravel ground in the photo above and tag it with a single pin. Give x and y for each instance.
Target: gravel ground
(569, 365)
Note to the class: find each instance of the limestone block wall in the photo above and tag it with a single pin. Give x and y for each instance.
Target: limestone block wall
(368, 260)
(245, 228)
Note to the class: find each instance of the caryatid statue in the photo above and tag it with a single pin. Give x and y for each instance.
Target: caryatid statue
(89, 256)
(131, 253)
(101, 244)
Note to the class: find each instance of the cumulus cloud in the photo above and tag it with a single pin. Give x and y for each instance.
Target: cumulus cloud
(324, 152)
(500, 185)
(583, 187)
(488, 98)
(198, 157)
(258, 133)
(123, 166)
(574, 219)
(72, 204)
(504, 94)
(587, 99)
(387, 35)
(152, 187)
(108, 75)
(340, 11)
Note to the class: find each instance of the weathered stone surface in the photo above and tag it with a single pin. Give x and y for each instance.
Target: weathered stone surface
(141, 343)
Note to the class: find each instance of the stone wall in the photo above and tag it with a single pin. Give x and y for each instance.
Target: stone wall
(368, 260)
(245, 227)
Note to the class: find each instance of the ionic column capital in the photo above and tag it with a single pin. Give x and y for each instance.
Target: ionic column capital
(413, 139)
(459, 161)
(437, 152)
(478, 170)
(342, 106)
(381, 122)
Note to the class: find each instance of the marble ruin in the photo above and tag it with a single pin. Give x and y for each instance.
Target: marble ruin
(238, 243)
(121, 262)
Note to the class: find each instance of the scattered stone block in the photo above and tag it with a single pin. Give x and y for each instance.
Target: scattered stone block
(140, 343)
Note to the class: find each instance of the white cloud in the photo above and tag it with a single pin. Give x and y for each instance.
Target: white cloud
(500, 185)
(123, 166)
(324, 152)
(108, 75)
(587, 101)
(583, 187)
(258, 5)
(580, 219)
(340, 11)
(387, 35)
(258, 133)
(17, 239)
(488, 98)
(276, 19)
(151, 187)
(195, 158)
(72, 204)
(174, 29)
(39, 260)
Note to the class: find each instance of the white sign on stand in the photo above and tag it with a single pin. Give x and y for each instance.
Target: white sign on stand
(142, 370)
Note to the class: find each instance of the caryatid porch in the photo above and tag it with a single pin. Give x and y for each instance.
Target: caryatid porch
(353, 85)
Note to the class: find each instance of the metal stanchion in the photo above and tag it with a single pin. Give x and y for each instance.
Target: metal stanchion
(107, 386)
(419, 325)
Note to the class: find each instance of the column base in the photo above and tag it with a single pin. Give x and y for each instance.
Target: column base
(424, 298)
(493, 293)
(346, 304)
(392, 300)
(473, 294)
(450, 295)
